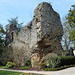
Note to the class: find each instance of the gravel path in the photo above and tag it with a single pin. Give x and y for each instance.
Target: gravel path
(68, 71)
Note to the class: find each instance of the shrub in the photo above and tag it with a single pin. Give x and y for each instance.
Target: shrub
(43, 65)
(28, 63)
(6, 56)
(67, 60)
(52, 59)
(65, 53)
(10, 64)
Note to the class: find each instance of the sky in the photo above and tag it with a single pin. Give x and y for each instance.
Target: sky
(24, 9)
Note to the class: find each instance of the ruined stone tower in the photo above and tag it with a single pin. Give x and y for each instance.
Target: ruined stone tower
(11, 32)
(42, 35)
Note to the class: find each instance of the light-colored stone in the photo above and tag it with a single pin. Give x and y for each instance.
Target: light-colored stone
(74, 52)
(44, 32)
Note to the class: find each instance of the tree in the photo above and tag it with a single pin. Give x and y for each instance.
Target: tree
(2, 33)
(71, 16)
(2, 39)
(66, 42)
(14, 21)
(72, 36)
(71, 20)
(5, 52)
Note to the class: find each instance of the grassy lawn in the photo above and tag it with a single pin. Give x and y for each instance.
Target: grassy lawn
(3, 67)
(15, 73)
(9, 73)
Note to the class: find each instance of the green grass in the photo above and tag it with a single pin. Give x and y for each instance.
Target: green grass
(16, 73)
(59, 68)
(9, 73)
(3, 67)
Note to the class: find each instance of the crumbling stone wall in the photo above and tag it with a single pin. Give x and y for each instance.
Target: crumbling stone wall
(11, 33)
(44, 32)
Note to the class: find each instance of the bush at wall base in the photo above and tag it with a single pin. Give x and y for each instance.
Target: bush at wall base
(10, 64)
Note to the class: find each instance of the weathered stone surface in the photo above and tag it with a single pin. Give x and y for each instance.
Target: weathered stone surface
(74, 52)
(43, 32)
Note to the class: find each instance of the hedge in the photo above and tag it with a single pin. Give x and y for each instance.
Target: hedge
(67, 60)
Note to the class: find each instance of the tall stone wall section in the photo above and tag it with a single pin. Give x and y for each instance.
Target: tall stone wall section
(43, 33)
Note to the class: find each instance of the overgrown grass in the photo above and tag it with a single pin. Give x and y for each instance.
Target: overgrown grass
(9, 73)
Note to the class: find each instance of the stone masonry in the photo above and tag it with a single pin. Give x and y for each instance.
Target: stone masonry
(42, 35)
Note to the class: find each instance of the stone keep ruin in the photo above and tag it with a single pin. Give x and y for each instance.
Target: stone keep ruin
(40, 37)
